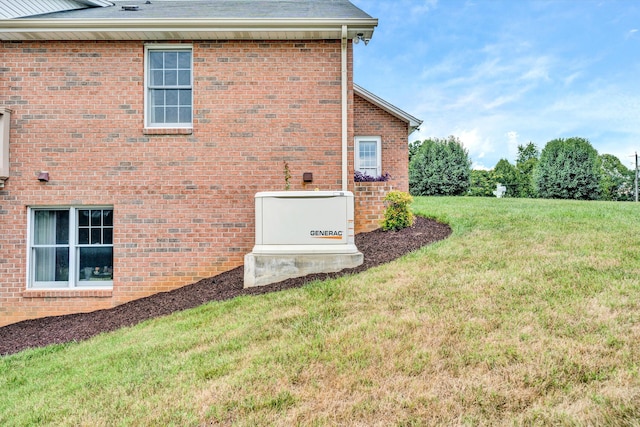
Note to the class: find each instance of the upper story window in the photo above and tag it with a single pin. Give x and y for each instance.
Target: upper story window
(169, 86)
(71, 247)
(368, 155)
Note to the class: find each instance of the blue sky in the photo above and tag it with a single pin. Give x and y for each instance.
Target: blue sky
(502, 73)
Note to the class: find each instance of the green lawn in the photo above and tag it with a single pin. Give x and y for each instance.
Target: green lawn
(529, 314)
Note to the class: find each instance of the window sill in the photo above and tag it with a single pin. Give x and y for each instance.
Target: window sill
(167, 131)
(67, 293)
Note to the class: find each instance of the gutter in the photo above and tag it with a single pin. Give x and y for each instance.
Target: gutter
(182, 28)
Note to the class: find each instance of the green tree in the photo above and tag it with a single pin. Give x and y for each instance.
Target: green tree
(507, 174)
(440, 167)
(413, 148)
(568, 169)
(617, 182)
(483, 183)
(525, 164)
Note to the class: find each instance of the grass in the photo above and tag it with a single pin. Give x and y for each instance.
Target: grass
(529, 314)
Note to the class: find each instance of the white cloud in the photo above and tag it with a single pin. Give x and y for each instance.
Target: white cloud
(423, 6)
(496, 76)
(513, 142)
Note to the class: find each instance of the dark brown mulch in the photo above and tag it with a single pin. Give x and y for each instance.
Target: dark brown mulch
(377, 246)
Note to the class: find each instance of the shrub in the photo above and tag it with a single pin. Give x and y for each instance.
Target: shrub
(617, 181)
(439, 167)
(507, 174)
(364, 177)
(397, 214)
(568, 169)
(483, 183)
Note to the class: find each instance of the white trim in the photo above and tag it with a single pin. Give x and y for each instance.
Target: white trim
(185, 29)
(73, 279)
(147, 107)
(356, 150)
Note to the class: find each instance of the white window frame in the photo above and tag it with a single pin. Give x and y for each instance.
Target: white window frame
(378, 141)
(74, 282)
(148, 123)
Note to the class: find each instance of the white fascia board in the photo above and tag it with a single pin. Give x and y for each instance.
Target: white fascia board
(413, 122)
(153, 29)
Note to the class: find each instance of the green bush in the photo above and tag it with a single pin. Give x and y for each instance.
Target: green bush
(397, 214)
(568, 169)
(483, 183)
(439, 167)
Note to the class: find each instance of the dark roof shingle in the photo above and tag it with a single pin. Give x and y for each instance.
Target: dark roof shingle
(220, 9)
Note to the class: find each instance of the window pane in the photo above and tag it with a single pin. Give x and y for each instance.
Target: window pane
(184, 78)
(96, 264)
(51, 227)
(96, 236)
(171, 97)
(107, 236)
(107, 218)
(368, 157)
(157, 97)
(83, 217)
(185, 115)
(171, 60)
(157, 78)
(373, 172)
(185, 97)
(184, 60)
(96, 218)
(155, 58)
(170, 78)
(171, 115)
(158, 115)
(62, 227)
(83, 236)
(51, 264)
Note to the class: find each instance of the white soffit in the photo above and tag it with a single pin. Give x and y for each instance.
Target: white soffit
(184, 29)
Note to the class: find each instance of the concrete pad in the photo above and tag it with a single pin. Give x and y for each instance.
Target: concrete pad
(262, 269)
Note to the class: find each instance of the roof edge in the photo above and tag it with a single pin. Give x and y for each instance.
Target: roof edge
(100, 29)
(413, 122)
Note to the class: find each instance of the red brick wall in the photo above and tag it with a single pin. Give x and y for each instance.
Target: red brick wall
(183, 204)
(371, 120)
(369, 204)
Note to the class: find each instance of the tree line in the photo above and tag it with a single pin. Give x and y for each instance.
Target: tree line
(565, 169)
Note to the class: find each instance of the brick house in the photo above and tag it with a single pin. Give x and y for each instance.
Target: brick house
(132, 139)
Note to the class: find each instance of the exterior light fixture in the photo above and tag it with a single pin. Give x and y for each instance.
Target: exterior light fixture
(43, 176)
(360, 36)
(307, 177)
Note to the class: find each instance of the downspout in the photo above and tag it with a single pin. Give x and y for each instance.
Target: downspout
(5, 119)
(345, 128)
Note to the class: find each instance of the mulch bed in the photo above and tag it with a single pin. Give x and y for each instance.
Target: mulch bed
(378, 247)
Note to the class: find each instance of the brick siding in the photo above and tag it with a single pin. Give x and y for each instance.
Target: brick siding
(183, 200)
(371, 120)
